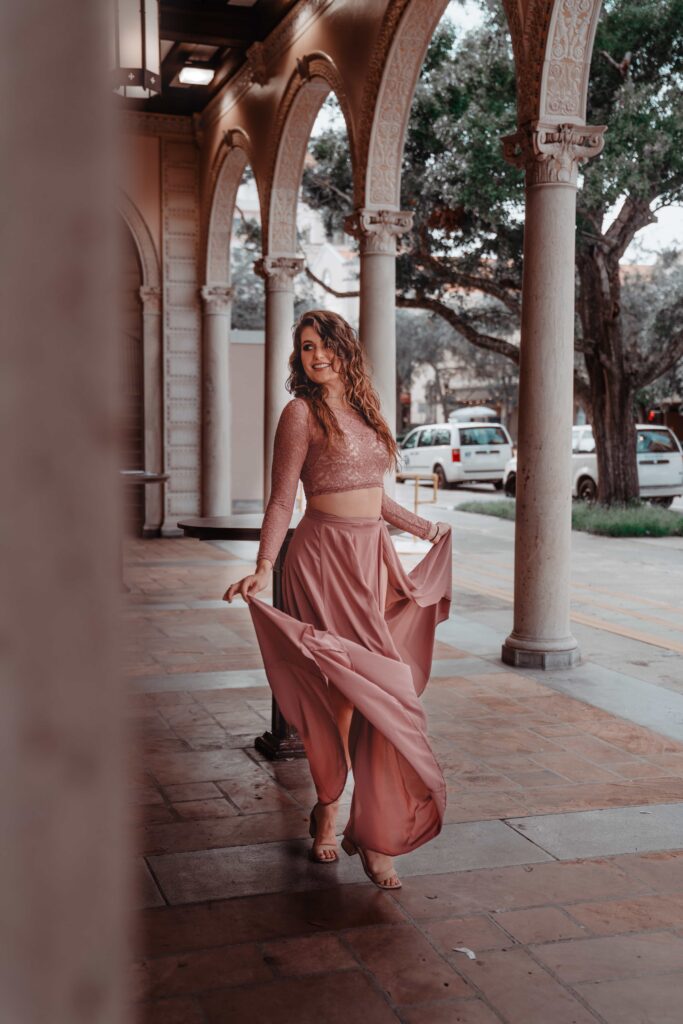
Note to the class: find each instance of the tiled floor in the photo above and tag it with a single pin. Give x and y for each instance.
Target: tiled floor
(237, 925)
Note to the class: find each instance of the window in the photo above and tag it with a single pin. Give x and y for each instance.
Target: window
(411, 439)
(426, 438)
(442, 437)
(482, 435)
(655, 441)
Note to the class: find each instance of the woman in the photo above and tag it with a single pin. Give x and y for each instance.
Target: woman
(350, 654)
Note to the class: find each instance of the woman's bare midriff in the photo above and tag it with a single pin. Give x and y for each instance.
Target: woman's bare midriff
(364, 502)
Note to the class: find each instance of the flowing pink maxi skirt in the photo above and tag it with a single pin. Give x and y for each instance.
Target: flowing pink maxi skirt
(333, 633)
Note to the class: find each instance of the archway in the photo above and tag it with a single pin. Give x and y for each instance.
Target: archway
(152, 373)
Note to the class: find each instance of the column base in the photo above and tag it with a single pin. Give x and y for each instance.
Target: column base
(515, 652)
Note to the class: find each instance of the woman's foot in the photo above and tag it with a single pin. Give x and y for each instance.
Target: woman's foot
(379, 867)
(382, 868)
(322, 828)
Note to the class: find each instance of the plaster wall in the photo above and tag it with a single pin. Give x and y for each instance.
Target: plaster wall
(140, 164)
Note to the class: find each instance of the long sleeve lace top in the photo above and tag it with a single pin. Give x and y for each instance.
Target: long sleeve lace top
(300, 452)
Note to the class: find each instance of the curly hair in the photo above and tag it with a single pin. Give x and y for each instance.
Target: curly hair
(359, 391)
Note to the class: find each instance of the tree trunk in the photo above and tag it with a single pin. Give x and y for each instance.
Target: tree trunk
(611, 384)
(440, 391)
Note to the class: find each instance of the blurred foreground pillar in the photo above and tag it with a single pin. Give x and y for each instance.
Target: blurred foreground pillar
(63, 884)
(278, 272)
(377, 231)
(541, 635)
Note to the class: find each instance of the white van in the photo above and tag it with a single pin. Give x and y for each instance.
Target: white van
(458, 452)
(660, 465)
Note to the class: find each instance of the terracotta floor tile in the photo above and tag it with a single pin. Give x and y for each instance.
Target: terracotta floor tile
(476, 933)
(262, 918)
(620, 956)
(319, 999)
(203, 809)
(309, 954)
(169, 1011)
(404, 964)
(662, 872)
(522, 992)
(636, 1000)
(573, 767)
(541, 924)
(611, 917)
(192, 791)
(240, 830)
(196, 766)
(202, 971)
(452, 1011)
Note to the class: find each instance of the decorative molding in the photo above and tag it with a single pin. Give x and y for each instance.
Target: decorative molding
(138, 123)
(564, 82)
(225, 177)
(285, 33)
(279, 271)
(377, 230)
(316, 75)
(550, 154)
(142, 236)
(151, 299)
(394, 70)
(216, 299)
(181, 327)
(237, 138)
(257, 63)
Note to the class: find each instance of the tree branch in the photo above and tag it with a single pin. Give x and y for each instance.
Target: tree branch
(633, 215)
(657, 365)
(471, 334)
(338, 295)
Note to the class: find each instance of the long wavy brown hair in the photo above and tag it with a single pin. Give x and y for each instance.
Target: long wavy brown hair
(359, 392)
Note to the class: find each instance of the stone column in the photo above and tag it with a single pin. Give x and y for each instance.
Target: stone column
(278, 272)
(377, 231)
(541, 635)
(153, 404)
(216, 425)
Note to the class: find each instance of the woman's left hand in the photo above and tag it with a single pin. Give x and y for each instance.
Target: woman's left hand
(442, 528)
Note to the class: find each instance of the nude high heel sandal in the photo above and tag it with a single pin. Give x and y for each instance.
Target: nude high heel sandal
(382, 883)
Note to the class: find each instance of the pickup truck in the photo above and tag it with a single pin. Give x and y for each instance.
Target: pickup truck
(660, 465)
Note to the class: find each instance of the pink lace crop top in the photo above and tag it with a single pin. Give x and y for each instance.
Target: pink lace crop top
(300, 452)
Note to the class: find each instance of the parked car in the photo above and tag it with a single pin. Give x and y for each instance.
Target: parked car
(660, 465)
(458, 452)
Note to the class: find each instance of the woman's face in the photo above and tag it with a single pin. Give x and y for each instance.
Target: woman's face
(320, 363)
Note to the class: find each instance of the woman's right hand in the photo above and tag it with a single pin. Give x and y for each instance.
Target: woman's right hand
(248, 586)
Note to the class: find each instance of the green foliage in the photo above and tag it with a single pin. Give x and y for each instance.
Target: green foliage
(635, 89)
(639, 519)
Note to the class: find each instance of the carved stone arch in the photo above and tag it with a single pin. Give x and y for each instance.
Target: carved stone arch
(152, 349)
(315, 77)
(226, 176)
(553, 44)
(406, 33)
(149, 259)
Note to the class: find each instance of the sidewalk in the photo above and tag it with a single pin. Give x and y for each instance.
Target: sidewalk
(560, 865)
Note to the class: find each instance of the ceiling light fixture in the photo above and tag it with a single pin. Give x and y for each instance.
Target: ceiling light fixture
(193, 75)
(136, 48)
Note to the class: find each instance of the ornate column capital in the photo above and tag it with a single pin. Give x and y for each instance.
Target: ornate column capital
(279, 271)
(151, 298)
(216, 298)
(377, 230)
(551, 153)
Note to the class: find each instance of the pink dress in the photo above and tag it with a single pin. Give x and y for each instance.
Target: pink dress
(333, 632)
